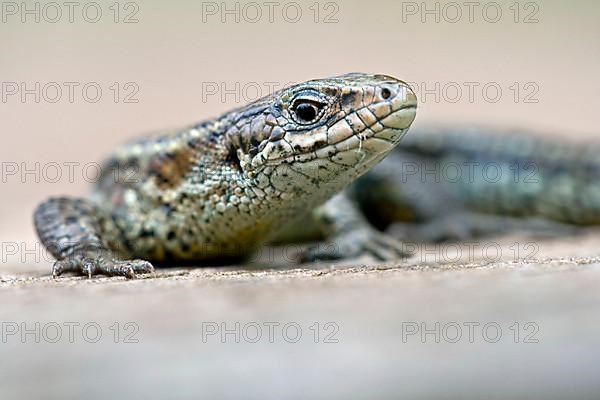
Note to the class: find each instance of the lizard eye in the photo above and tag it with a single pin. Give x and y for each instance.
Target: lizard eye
(307, 111)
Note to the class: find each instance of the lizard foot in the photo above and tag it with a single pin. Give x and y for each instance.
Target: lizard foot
(94, 263)
(355, 243)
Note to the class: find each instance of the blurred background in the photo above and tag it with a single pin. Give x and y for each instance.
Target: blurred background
(80, 78)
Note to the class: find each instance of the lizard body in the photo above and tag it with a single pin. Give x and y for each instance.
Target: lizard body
(488, 182)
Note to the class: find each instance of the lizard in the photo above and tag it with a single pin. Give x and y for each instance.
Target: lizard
(219, 189)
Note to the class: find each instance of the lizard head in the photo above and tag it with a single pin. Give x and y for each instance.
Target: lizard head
(323, 132)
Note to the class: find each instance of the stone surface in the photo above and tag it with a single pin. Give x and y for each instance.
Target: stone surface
(535, 328)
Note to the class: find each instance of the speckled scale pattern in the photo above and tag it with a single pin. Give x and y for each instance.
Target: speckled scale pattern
(539, 177)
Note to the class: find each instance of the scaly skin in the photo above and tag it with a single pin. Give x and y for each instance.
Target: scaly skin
(223, 187)
(456, 184)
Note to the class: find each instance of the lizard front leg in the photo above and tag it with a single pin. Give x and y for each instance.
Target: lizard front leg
(72, 230)
(348, 234)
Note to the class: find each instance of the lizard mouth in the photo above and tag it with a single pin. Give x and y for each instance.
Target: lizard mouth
(378, 137)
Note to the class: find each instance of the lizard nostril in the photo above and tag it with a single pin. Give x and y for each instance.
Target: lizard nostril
(386, 93)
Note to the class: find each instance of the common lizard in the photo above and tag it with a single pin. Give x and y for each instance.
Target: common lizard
(221, 188)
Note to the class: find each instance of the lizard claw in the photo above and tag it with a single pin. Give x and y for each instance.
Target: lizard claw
(57, 269)
(88, 267)
(103, 264)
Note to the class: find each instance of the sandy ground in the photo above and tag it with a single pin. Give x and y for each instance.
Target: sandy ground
(437, 325)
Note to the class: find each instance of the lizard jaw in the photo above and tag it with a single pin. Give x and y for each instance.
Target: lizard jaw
(332, 167)
(380, 139)
(380, 123)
